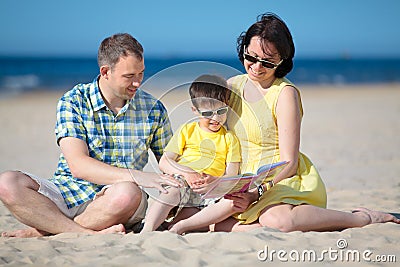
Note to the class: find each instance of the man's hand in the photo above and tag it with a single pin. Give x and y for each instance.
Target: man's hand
(154, 180)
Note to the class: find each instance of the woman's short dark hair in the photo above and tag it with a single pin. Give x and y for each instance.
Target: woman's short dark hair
(207, 88)
(116, 46)
(270, 28)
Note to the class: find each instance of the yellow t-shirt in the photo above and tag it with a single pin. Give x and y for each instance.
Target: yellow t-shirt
(204, 151)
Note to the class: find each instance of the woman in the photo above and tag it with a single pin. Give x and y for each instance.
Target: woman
(268, 113)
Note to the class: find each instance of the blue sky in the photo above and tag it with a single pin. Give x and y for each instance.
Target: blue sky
(354, 28)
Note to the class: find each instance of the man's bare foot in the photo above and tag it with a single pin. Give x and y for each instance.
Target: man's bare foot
(24, 233)
(377, 216)
(115, 229)
(32, 232)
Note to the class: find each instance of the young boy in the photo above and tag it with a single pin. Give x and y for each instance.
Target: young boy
(198, 149)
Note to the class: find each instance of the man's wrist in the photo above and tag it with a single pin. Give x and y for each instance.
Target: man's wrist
(132, 174)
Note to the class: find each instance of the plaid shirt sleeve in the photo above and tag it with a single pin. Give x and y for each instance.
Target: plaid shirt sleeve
(163, 131)
(69, 120)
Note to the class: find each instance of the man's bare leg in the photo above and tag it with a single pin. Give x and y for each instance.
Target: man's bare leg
(116, 206)
(19, 194)
(32, 232)
(28, 232)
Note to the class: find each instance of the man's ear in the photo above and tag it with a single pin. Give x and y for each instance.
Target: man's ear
(104, 71)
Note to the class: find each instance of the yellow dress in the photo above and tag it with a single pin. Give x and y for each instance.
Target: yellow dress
(255, 125)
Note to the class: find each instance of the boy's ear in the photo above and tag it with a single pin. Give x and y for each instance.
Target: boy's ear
(194, 109)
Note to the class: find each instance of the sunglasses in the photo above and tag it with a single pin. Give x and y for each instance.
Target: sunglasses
(265, 63)
(211, 113)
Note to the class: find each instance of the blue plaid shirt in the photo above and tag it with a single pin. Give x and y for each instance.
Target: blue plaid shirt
(120, 140)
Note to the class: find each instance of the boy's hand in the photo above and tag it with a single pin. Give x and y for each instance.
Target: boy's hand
(202, 185)
(192, 177)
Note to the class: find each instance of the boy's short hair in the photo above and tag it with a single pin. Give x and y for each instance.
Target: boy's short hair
(207, 88)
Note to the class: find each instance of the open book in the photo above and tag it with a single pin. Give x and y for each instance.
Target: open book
(241, 183)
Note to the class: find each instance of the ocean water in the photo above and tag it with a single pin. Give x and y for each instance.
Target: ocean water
(26, 74)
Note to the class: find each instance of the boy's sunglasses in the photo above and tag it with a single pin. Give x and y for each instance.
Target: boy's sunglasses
(265, 63)
(211, 113)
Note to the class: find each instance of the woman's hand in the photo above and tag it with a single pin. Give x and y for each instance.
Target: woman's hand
(241, 201)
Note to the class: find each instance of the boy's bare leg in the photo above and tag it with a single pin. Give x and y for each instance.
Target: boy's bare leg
(233, 225)
(19, 194)
(160, 208)
(207, 216)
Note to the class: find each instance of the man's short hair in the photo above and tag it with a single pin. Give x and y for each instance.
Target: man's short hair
(116, 46)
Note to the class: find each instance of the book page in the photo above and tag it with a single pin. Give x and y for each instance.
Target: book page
(228, 185)
(242, 182)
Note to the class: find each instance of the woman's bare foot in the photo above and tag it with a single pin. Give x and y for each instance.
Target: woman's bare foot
(377, 216)
(24, 233)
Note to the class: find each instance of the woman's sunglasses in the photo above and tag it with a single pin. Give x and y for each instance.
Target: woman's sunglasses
(265, 63)
(211, 113)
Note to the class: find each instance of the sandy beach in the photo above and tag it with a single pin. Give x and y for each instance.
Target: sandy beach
(351, 133)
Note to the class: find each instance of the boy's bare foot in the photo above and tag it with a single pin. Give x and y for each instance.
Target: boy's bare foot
(176, 229)
(115, 229)
(24, 233)
(377, 216)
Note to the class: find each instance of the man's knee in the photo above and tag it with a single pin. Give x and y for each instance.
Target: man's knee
(7, 176)
(9, 181)
(125, 198)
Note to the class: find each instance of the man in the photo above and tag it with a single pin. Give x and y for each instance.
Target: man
(104, 130)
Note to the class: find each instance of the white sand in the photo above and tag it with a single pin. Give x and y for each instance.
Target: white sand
(350, 133)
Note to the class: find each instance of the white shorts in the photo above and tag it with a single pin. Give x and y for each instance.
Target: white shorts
(51, 191)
